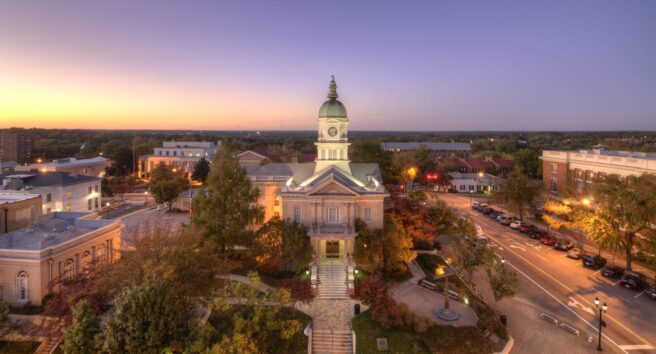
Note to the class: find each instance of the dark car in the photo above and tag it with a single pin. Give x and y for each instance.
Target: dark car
(537, 234)
(548, 240)
(563, 244)
(594, 262)
(651, 292)
(612, 271)
(633, 280)
(493, 214)
(437, 245)
(526, 228)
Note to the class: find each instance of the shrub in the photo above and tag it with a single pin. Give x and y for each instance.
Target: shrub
(374, 293)
(422, 324)
(4, 311)
(301, 291)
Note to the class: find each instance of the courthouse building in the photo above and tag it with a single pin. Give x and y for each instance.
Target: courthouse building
(326, 195)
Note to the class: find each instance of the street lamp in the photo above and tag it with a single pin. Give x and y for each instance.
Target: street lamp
(145, 197)
(355, 281)
(471, 195)
(107, 212)
(602, 309)
(503, 261)
(585, 201)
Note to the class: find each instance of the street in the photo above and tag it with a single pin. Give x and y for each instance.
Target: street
(560, 288)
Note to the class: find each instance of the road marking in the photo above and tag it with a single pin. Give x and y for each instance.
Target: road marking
(617, 282)
(596, 272)
(573, 303)
(635, 297)
(636, 347)
(518, 247)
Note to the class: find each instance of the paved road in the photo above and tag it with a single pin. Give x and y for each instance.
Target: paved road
(551, 283)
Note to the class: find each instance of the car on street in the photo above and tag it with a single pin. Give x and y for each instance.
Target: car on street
(476, 205)
(537, 234)
(504, 219)
(612, 271)
(526, 228)
(594, 262)
(493, 214)
(651, 292)
(548, 240)
(515, 225)
(633, 280)
(563, 244)
(575, 253)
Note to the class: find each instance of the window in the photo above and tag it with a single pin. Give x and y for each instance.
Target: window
(167, 153)
(69, 269)
(554, 184)
(96, 188)
(333, 215)
(22, 287)
(471, 187)
(297, 214)
(85, 261)
(554, 167)
(175, 153)
(276, 201)
(89, 204)
(462, 187)
(68, 207)
(48, 198)
(90, 190)
(69, 195)
(367, 214)
(276, 214)
(96, 202)
(102, 254)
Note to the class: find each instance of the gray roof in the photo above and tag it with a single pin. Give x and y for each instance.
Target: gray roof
(8, 164)
(429, 145)
(50, 230)
(43, 179)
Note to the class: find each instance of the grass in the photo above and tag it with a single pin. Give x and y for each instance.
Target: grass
(223, 323)
(438, 339)
(16, 347)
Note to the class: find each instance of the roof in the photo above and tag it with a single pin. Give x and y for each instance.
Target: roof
(47, 179)
(6, 198)
(51, 230)
(428, 145)
(332, 108)
(502, 163)
(73, 162)
(8, 164)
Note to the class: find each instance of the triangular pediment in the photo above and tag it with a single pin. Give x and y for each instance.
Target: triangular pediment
(331, 186)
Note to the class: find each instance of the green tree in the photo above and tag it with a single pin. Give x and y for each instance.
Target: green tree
(168, 190)
(529, 161)
(228, 206)
(368, 251)
(201, 171)
(4, 311)
(502, 280)
(519, 192)
(417, 196)
(468, 257)
(146, 319)
(161, 172)
(83, 335)
(282, 245)
(629, 206)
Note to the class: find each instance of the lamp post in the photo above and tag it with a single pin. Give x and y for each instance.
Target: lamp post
(446, 313)
(145, 197)
(602, 309)
(471, 195)
(355, 281)
(107, 210)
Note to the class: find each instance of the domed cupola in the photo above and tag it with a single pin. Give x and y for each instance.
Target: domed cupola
(332, 108)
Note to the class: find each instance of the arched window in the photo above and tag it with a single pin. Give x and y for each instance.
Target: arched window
(86, 260)
(69, 269)
(22, 289)
(102, 254)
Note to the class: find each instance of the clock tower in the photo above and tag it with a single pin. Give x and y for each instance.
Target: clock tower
(332, 144)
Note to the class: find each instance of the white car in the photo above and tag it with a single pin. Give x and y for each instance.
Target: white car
(516, 224)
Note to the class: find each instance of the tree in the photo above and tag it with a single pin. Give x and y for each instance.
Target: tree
(374, 292)
(121, 185)
(443, 181)
(368, 252)
(502, 280)
(4, 311)
(417, 196)
(464, 226)
(597, 227)
(442, 217)
(161, 172)
(529, 161)
(370, 150)
(282, 245)
(468, 257)
(83, 335)
(387, 249)
(519, 192)
(555, 215)
(147, 318)
(628, 205)
(168, 190)
(201, 171)
(229, 204)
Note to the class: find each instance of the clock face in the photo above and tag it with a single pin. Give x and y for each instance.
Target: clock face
(332, 131)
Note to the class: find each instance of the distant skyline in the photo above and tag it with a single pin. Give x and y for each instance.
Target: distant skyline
(263, 65)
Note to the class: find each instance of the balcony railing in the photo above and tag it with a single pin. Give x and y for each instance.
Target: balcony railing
(317, 228)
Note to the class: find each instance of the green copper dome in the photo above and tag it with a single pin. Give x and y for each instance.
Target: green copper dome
(332, 108)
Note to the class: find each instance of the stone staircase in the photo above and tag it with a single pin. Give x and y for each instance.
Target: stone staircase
(49, 345)
(332, 280)
(332, 341)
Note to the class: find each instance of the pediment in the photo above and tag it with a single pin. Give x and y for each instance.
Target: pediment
(331, 187)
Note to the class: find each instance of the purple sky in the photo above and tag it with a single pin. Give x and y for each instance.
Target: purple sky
(405, 65)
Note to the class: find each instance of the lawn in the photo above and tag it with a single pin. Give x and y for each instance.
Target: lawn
(22, 347)
(438, 339)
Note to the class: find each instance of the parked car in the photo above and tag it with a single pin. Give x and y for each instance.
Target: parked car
(563, 244)
(575, 253)
(651, 292)
(476, 205)
(612, 271)
(537, 234)
(548, 240)
(594, 262)
(506, 219)
(486, 210)
(633, 280)
(526, 228)
(494, 214)
(516, 225)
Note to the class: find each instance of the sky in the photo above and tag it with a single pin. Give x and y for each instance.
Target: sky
(265, 65)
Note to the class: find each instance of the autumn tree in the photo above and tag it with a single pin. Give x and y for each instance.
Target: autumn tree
(519, 192)
(201, 170)
(282, 245)
(228, 206)
(374, 292)
(83, 335)
(596, 225)
(382, 249)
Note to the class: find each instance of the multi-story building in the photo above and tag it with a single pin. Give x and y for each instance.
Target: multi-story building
(56, 246)
(567, 172)
(60, 191)
(179, 155)
(326, 195)
(18, 210)
(7, 166)
(437, 149)
(95, 167)
(16, 147)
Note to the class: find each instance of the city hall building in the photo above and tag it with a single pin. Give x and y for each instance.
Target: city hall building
(326, 195)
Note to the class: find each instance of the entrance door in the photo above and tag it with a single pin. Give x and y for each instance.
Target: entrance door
(332, 249)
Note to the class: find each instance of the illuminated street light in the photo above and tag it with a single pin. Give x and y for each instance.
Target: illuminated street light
(602, 309)
(585, 201)
(39, 160)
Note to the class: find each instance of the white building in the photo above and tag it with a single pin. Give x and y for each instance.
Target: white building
(474, 182)
(179, 155)
(59, 191)
(95, 167)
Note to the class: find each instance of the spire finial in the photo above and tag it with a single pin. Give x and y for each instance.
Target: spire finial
(332, 89)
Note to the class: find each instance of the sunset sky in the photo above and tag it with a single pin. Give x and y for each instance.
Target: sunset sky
(405, 65)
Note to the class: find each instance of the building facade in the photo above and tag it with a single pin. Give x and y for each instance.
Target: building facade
(573, 171)
(59, 191)
(56, 246)
(179, 155)
(16, 147)
(18, 210)
(474, 182)
(94, 167)
(326, 195)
